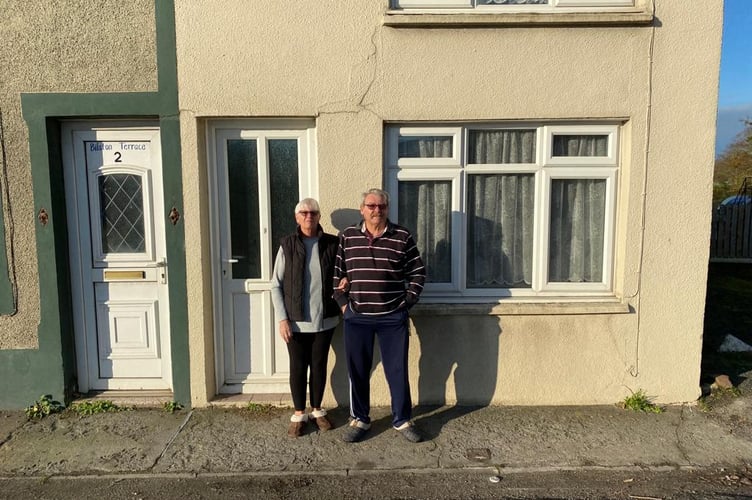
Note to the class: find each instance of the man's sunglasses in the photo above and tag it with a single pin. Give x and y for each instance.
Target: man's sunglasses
(306, 213)
(372, 206)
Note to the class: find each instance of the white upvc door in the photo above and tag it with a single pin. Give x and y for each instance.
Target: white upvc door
(259, 170)
(115, 212)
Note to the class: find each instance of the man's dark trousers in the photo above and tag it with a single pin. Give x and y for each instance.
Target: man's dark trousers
(392, 332)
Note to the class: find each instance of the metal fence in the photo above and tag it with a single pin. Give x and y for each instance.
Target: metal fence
(731, 233)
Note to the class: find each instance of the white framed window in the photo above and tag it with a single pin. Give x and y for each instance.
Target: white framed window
(425, 147)
(519, 209)
(512, 5)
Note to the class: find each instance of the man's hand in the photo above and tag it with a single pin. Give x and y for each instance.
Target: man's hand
(343, 285)
(285, 330)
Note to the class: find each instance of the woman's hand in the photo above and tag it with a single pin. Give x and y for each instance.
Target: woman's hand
(285, 330)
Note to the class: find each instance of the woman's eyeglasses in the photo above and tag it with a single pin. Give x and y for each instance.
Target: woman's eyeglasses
(306, 213)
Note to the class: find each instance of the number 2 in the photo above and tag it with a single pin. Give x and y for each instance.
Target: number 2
(117, 157)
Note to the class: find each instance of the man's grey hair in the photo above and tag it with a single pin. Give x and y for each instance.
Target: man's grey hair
(309, 204)
(377, 192)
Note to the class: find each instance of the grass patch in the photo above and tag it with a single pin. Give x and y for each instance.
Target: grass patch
(260, 408)
(95, 406)
(639, 401)
(172, 406)
(43, 407)
(718, 398)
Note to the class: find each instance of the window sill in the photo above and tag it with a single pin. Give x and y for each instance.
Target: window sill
(522, 308)
(403, 19)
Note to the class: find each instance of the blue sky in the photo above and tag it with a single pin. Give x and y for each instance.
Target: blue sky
(735, 91)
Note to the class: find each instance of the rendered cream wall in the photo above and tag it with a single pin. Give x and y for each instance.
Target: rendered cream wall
(336, 62)
(62, 46)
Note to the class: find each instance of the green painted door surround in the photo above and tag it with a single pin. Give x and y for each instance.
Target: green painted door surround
(31, 373)
(7, 293)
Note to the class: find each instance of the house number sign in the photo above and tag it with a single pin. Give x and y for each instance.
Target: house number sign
(100, 153)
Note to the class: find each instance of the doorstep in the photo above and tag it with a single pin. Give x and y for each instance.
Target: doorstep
(141, 399)
(282, 400)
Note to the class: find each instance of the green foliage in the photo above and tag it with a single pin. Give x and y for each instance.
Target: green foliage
(172, 406)
(259, 408)
(734, 164)
(44, 406)
(638, 401)
(704, 405)
(717, 398)
(95, 406)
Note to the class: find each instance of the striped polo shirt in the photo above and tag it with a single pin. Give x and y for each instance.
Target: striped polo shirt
(385, 273)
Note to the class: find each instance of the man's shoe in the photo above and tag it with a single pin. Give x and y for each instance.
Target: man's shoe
(321, 420)
(355, 431)
(409, 432)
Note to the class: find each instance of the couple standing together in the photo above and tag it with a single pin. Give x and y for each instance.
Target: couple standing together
(372, 274)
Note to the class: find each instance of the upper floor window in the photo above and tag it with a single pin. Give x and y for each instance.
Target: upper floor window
(508, 209)
(512, 5)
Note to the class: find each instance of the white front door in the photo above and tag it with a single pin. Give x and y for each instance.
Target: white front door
(260, 170)
(113, 188)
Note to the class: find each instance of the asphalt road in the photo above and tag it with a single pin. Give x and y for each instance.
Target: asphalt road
(476, 485)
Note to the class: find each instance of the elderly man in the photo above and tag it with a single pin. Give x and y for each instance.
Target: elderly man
(384, 277)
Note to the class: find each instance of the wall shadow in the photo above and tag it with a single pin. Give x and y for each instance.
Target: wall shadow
(339, 382)
(342, 218)
(458, 354)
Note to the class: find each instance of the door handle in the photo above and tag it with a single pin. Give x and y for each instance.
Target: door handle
(162, 264)
(225, 268)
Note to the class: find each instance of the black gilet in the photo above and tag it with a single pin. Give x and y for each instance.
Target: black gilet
(295, 258)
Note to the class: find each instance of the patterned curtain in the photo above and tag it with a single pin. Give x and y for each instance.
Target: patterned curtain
(500, 211)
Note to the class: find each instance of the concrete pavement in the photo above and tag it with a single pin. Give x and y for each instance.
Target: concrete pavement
(497, 439)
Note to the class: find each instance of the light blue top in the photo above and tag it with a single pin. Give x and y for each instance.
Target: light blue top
(313, 309)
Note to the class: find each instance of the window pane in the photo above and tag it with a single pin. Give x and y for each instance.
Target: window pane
(283, 174)
(242, 173)
(500, 212)
(501, 146)
(425, 146)
(121, 202)
(425, 209)
(578, 208)
(580, 145)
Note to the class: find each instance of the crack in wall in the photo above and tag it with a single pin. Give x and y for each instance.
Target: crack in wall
(356, 104)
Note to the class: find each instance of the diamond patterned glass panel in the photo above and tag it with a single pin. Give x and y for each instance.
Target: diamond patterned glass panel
(121, 205)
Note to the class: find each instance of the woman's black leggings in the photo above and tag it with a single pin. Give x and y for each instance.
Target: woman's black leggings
(308, 351)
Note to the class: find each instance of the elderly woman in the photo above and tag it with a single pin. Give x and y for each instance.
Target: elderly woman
(305, 310)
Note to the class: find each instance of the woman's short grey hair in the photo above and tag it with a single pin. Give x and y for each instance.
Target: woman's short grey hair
(307, 204)
(377, 192)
